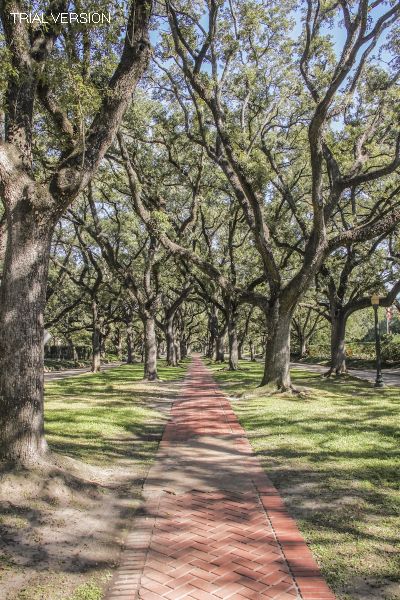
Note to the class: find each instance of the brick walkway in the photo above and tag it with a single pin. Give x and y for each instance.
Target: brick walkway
(212, 524)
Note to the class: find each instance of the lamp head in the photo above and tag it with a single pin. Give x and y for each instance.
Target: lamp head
(375, 300)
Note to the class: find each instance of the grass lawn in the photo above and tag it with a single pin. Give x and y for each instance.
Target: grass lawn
(333, 452)
(62, 524)
(91, 416)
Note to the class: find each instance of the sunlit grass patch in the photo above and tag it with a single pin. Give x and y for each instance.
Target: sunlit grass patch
(334, 453)
(106, 417)
(62, 522)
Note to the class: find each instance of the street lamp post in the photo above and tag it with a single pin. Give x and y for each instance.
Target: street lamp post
(378, 381)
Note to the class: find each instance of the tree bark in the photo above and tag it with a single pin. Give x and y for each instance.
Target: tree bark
(22, 301)
(96, 339)
(213, 329)
(251, 348)
(177, 350)
(118, 344)
(209, 348)
(150, 349)
(219, 350)
(170, 341)
(277, 349)
(183, 348)
(129, 346)
(103, 342)
(303, 341)
(33, 209)
(233, 342)
(72, 350)
(338, 334)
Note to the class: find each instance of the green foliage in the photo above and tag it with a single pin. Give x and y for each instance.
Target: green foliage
(391, 348)
(87, 591)
(7, 71)
(160, 222)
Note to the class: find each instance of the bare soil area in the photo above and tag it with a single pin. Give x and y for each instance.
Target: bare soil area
(62, 524)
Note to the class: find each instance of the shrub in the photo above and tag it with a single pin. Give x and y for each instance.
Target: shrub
(391, 348)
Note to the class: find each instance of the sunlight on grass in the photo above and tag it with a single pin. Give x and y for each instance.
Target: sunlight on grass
(106, 417)
(110, 424)
(334, 454)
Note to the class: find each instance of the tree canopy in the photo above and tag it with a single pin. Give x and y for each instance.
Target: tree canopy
(211, 174)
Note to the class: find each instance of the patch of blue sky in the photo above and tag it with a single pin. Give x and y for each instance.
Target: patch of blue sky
(337, 31)
(380, 55)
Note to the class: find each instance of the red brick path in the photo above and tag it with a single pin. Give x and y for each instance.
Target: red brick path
(212, 525)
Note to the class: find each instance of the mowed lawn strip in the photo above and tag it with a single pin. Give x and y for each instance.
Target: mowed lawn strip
(333, 452)
(62, 523)
(89, 416)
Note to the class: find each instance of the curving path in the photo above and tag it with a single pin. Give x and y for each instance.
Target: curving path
(391, 377)
(212, 526)
(52, 375)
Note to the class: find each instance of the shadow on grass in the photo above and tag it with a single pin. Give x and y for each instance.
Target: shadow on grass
(335, 456)
(105, 417)
(63, 519)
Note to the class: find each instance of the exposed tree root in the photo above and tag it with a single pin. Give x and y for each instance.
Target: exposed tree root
(334, 373)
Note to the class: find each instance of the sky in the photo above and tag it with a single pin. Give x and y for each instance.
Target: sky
(338, 31)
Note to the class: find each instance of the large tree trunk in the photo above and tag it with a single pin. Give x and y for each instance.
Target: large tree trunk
(213, 329)
(72, 350)
(233, 343)
(338, 334)
(129, 345)
(96, 339)
(177, 349)
(183, 348)
(103, 344)
(219, 349)
(31, 218)
(209, 348)
(118, 343)
(251, 348)
(150, 349)
(22, 301)
(170, 341)
(277, 349)
(303, 345)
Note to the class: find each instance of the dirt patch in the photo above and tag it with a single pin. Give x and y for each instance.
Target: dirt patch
(63, 523)
(307, 502)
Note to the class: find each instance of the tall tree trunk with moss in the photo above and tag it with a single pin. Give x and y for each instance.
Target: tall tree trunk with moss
(177, 346)
(96, 339)
(251, 348)
(170, 342)
(129, 345)
(118, 343)
(33, 208)
(150, 349)
(213, 332)
(233, 340)
(277, 349)
(220, 346)
(72, 350)
(184, 348)
(338, 334)
(22, 301)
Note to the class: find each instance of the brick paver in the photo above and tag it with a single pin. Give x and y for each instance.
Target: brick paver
(212, 525)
